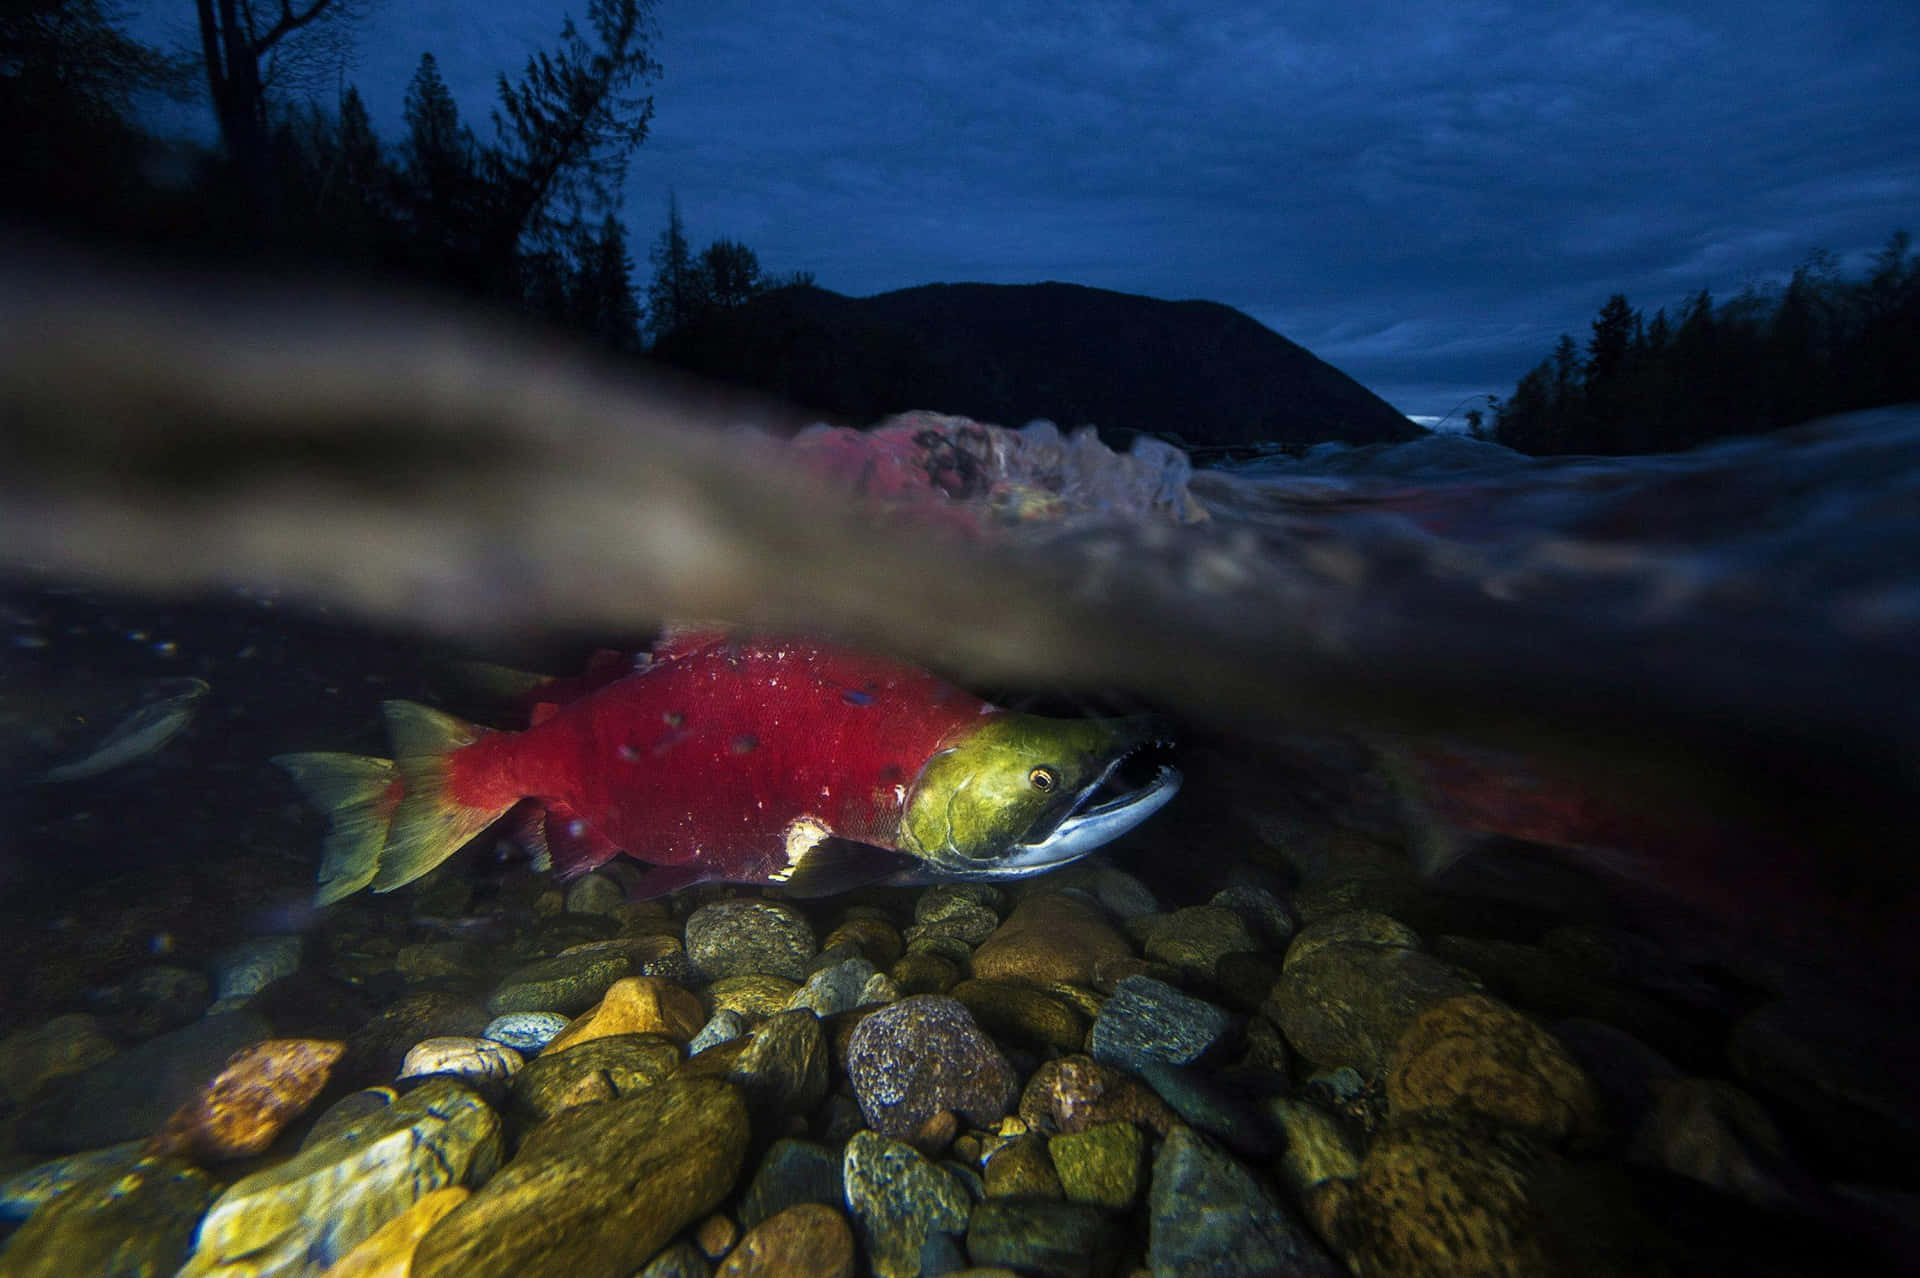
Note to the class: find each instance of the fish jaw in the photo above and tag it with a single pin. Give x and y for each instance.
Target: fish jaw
(1016, 796)
(1088, 828)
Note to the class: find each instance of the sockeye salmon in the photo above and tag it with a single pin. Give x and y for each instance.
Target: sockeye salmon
(746, 761)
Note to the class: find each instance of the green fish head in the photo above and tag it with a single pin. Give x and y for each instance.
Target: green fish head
(1022, 794)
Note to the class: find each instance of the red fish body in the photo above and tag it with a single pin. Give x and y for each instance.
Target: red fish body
(743, 761)
(715, 757)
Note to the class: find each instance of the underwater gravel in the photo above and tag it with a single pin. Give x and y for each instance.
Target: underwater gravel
(905, 1083)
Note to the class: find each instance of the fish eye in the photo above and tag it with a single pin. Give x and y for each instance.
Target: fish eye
(1043, 780)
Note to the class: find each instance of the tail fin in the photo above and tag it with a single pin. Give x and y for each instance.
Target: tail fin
(430, 824)
(358, 796)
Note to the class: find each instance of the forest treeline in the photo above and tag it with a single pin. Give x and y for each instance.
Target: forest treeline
(1762, 360)
(526, 217)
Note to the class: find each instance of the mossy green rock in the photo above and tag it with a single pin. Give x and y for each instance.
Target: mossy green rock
(302, 1215)
(598, 1189)
(136, 1220)
(1021, 1169)
(1105, 1165)
(566, 983)
(1043, 1239)
(1348, 1002)
(1195, 939)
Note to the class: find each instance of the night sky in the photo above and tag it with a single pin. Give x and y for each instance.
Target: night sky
(1423, 194)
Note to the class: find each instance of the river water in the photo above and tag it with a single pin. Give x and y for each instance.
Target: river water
(1671, 698)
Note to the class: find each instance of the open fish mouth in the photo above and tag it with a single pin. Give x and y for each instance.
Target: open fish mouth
(1132, 788)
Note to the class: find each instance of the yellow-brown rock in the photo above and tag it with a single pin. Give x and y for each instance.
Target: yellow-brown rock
(388, 1253)
(1049, 939)
(635, 1005)
(1077, 1092)
(716, 1235)
(598, 1189)
(808, 1238)
(64, 1045)
(755, 996)
(261, 1090)
(1021, 1169)
(1719, 1135)
(923, 973)
(877, 940)
(1023, 1015)
(1432, 1199)
(1472, 1054)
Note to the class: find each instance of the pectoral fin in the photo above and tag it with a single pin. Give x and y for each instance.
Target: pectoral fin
(836, 865)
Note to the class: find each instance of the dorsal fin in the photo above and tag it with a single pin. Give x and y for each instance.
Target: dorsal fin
(684, 638)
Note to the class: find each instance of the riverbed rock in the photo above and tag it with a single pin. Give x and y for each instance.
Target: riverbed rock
(1194, 939)
(597, 1070)
(388, 1251)
(128, 1096)
(249, 967)
(1076, 1093)
(834, 989)
(753, 996)
(1023, 1016)
(1104, 1166)
(877, 940)
(480, 1063)
(1148, 1019)
(244, 1108)
(566, 983)
(1476, 1056)
(793, 1172)
(636, 1005)
(749, 935)
(912, 1059)
(308, 1212)
(525, 1032)
(123, 1220)
(781, 1065)
(1347, 1002)
(598, 1189)
(807, 1238)
(897, 1199)
(32, 1058)
(28, 1190)
(1048, 939)
(1211, 1216)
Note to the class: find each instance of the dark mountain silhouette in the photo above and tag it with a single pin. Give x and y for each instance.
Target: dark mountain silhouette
(1198, 371)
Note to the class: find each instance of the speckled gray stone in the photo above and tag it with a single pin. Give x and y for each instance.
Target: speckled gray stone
(897, 1199)
(1242, 1233)
(749, 935)
(725, 1026)
(793, 1172)
(834, 989)
(249, 967)
(1151, 1020)
(525, 1032)
(567, 983)
(914, 1058)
